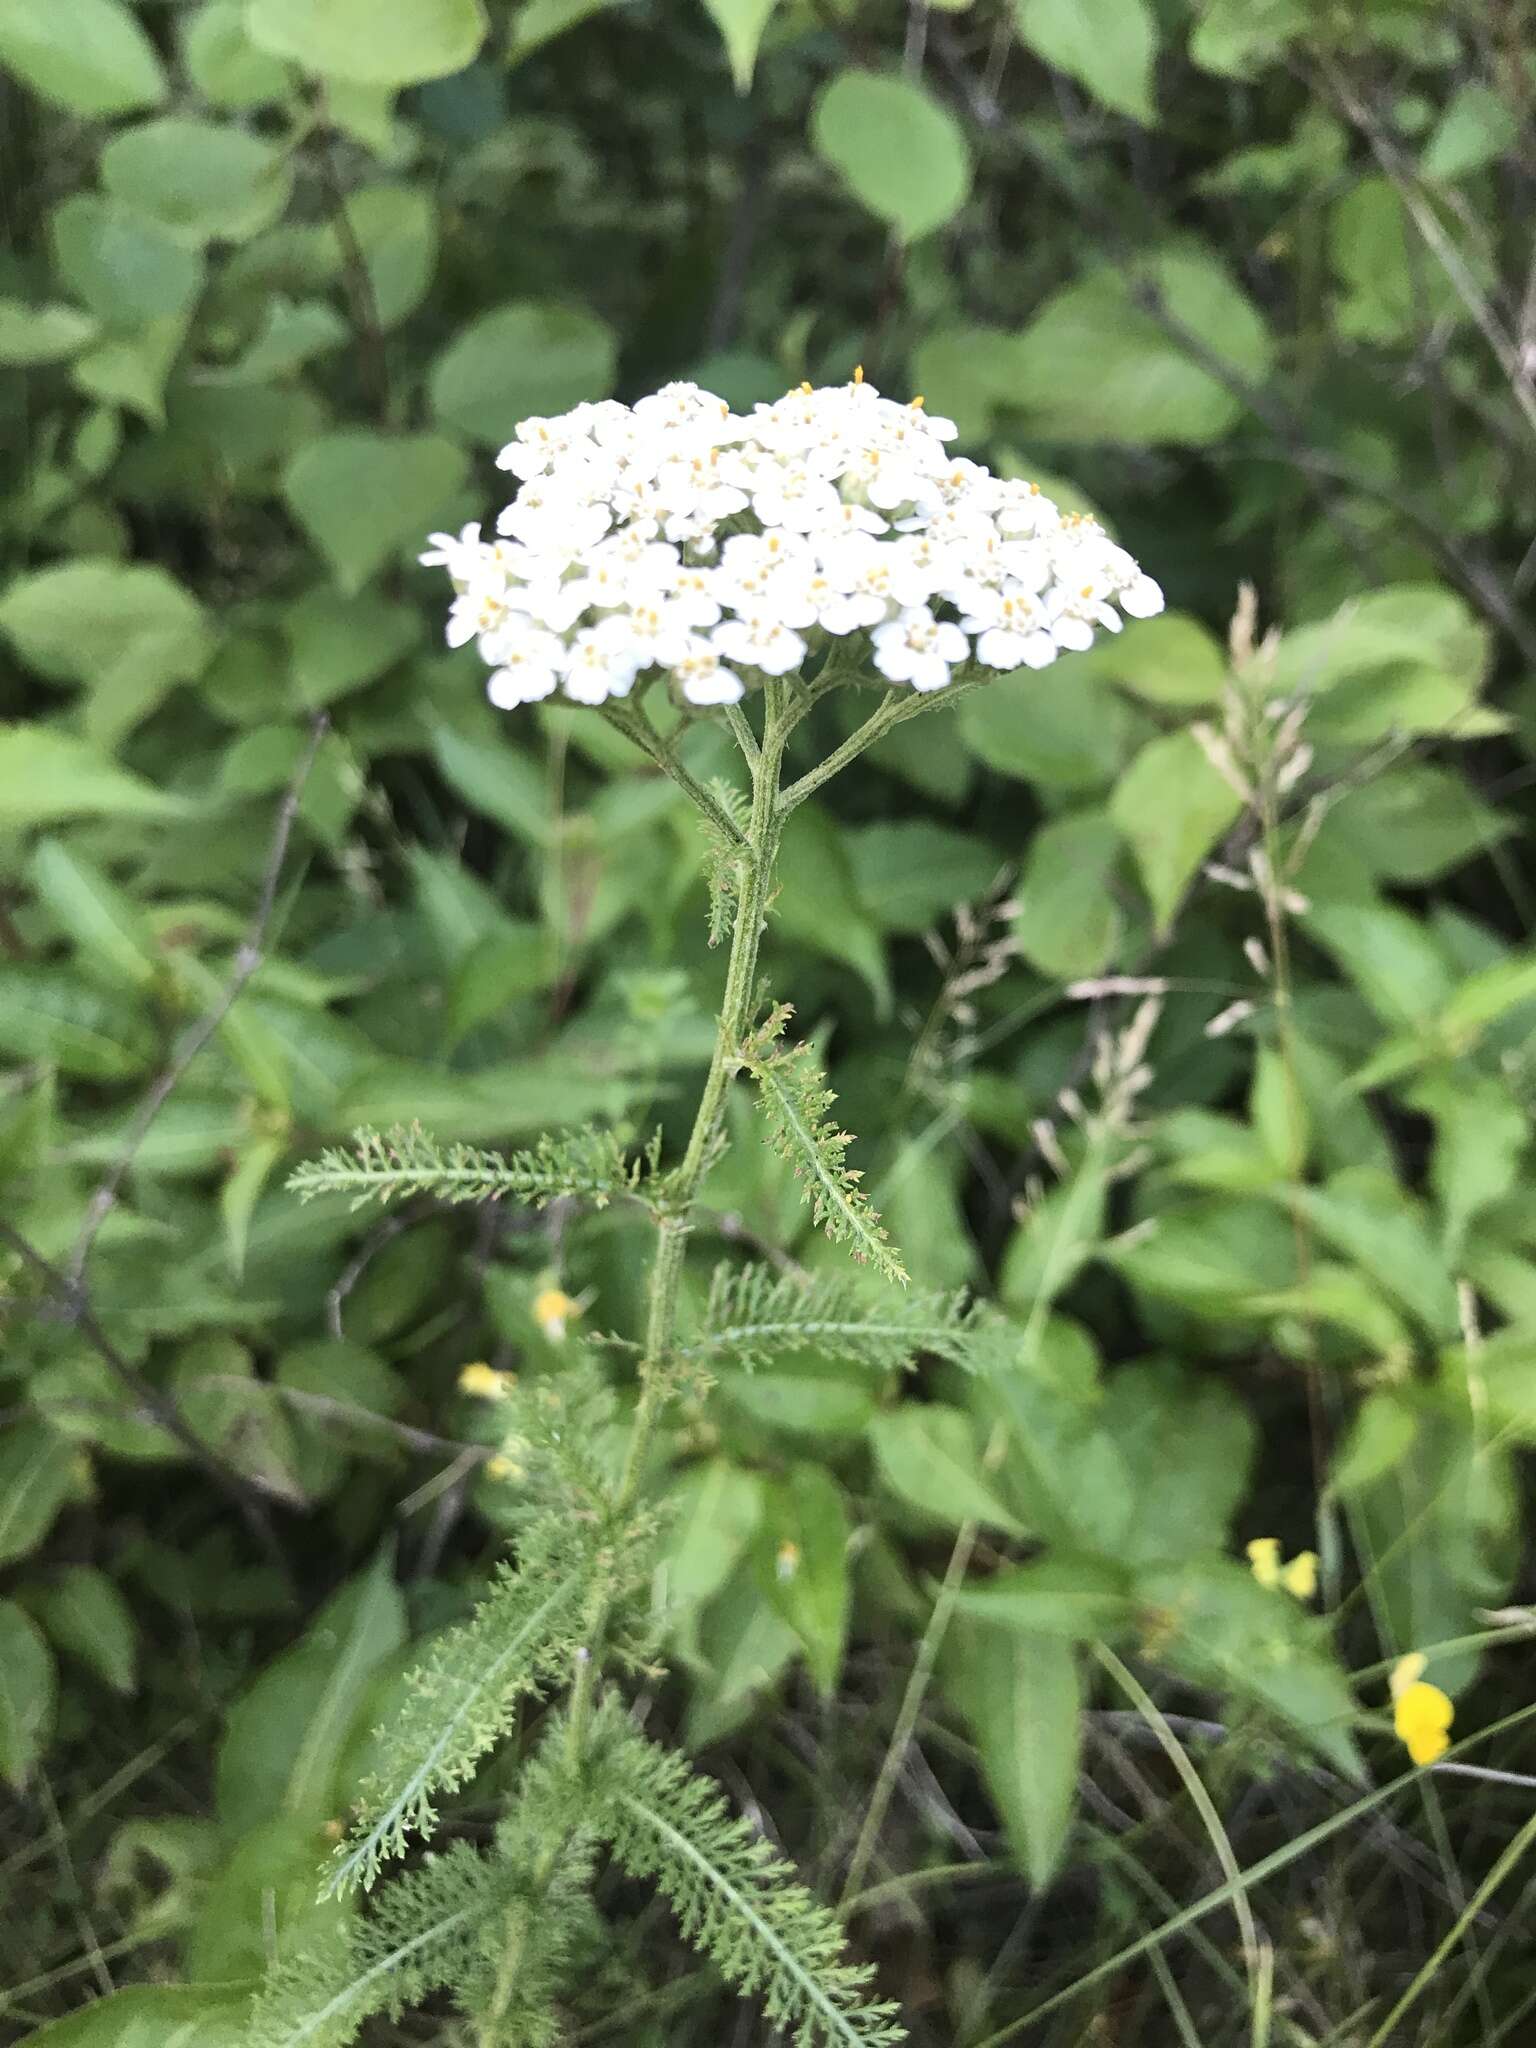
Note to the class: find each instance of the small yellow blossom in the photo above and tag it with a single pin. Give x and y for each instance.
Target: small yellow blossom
(485, 1382)
(1421, 1713)
(1298, 1578)
(503, 1468)
(552, 1310)
(788, 1561)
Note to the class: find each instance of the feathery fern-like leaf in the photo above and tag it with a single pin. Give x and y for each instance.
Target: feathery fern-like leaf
(384, 1166)
(722, 863)
(422, 1933)
(735, 1900)
(754, 1314)
(523, 1634)
(795, 1098)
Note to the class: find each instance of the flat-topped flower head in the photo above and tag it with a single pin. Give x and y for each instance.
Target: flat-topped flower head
(677, 538)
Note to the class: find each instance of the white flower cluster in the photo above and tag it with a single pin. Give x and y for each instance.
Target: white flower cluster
(675, 535)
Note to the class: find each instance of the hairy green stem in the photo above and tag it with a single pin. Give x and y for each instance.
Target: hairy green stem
(754, 881)
(631, 720)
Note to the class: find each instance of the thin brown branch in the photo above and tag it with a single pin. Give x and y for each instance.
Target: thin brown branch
(197, 1034)
(152, 1400)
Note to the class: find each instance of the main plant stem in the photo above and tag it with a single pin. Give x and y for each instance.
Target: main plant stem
(754, 879)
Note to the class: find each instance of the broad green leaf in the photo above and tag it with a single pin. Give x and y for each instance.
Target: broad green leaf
(493, 777)
(47, 775)
(1381, 1433)
(1364, 1214)
(90, 56)
(396, 231)
(1172, 659)
(529, 357)
(1173, 807)
(363, 496)
(88, 1618)
(1481, 1131)
(803, 1399)
(128, 631)
(1070, 734)
(28, 1687)
(903, 155)
(1238, 38)
(802, 1564)
(1068, 921)
(132, 371)
(1408, 824)
(1217, 1626)
(1106, 45)
(743, 1645)
(714, 1509)
(741, 24)
(154, 2016)
(1099, 364)
(201, 180)
(1476, 128)
(1391, 957)
(1060, 1471)
(35, 1469)
(112, 938)
(930, 1458)
(1277, 1109)
(818, 902)
(1377, 254)
(46, 1013)
(242, 1190)
(225, 65)
(356, 39)
(41, 334)
(1073, 1596)
(130, 271)
(285, 1736)
(339, 644)
(1186, 1444)
(1438, 1532)
(1023, 1698)
(363, 1389)
(1211, 1255)
(498, 970)
(969, 373)
(538, 22)
(261, 1904)
(911, 874)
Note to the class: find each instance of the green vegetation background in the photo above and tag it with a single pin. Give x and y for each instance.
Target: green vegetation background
(278, 277)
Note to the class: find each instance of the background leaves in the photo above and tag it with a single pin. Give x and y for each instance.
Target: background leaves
(277, 281)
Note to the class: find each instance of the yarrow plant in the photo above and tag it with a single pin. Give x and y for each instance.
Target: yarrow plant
(827, 538)
(678, 537)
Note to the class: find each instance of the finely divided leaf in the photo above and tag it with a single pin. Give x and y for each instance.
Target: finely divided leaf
(795, 1098)
(384, 1166)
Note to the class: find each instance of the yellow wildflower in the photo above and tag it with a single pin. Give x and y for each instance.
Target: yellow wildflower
(1421, 1713)
(503, 1468)
(552, 1310)
(1298, 1578)
(485, 1382)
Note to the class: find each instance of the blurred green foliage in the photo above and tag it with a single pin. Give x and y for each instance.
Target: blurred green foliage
(278, 278)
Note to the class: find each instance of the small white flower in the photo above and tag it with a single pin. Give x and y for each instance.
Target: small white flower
(917, 648)
(601, 664)
(677, 536)
(703, 677)
(458, 553)
(760, 639)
